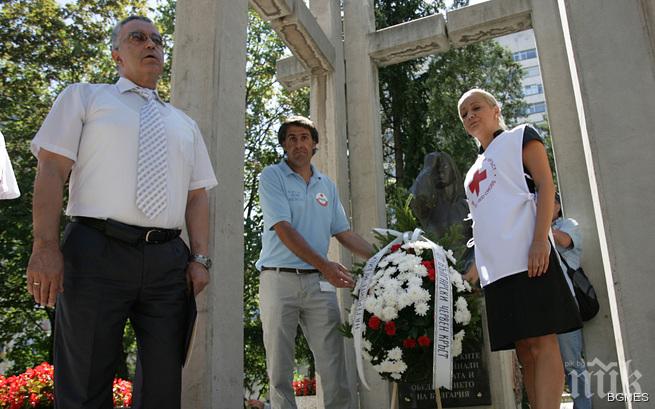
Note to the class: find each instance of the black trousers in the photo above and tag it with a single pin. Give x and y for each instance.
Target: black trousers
(107, 281)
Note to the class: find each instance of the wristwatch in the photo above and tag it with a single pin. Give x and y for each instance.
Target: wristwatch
(204, 260)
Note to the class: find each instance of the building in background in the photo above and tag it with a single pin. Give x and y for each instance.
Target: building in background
(524, 50)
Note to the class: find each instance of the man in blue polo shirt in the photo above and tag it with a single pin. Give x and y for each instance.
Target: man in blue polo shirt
(302, 211)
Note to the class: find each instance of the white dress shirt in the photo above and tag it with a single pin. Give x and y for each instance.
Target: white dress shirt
(97, 126)
(8, 185)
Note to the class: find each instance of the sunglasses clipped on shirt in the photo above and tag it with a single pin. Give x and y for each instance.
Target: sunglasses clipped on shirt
(139, 37)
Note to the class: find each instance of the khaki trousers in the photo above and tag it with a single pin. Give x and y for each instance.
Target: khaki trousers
(289, 299)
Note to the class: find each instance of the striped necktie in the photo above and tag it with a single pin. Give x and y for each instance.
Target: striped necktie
(152, 161)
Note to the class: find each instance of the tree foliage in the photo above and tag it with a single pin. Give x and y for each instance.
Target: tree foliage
(419, 97)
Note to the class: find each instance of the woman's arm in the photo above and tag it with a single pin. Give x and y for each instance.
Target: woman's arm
(535, 160)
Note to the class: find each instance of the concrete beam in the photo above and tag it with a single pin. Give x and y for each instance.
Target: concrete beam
(292, 74)
(408, 41)
(271, 9)
(298, 28)
(487, 20)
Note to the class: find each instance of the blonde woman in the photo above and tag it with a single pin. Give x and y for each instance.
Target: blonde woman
(510, 192)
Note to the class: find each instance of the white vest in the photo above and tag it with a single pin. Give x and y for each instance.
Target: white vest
(503, 209)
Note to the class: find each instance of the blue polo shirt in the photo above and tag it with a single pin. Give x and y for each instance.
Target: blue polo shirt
(313, 209)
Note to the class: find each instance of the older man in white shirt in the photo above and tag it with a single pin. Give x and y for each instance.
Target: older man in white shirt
(139, 171)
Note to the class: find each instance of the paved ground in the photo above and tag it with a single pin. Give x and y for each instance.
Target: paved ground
(309, 402)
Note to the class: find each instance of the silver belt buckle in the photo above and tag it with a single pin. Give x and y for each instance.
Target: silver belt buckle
(147, 239)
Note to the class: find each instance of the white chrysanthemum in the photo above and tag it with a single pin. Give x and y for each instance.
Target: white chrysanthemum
(395, 354)
(403, 300)
(420, 270)
(390, 297)
(371, 303)
(457, 343)
(383, 263)
(457, 280)
(450, 256)
(390, 270)
(396, 376)
(418, 294)
(392, 283)
(389, 314)
(410, 262)
(414, 281)
(377, 311)
(461, 303)
(462, 317)
(462, 314)
(401, 366)
(421, 309)
(403, 277)
(467, 286)
(394, 257)
(366, 344)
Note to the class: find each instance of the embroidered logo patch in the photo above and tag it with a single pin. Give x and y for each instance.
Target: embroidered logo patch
(321, 199)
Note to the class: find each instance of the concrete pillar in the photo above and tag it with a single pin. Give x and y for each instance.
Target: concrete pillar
(613, 122)
(327, 105)
(573, 178)
(209, 84)
(611, 47)
(365, 149)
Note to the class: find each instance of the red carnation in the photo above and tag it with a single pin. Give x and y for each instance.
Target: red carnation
(409, 343)
(424, 341)
(395, 248)
(429, 265)
(390, 328)
(374, 322)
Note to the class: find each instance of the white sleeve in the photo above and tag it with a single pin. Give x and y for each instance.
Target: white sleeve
(203, 175)
(8, 185)
(61, 131)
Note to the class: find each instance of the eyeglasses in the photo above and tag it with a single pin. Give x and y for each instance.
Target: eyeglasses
(139, 37)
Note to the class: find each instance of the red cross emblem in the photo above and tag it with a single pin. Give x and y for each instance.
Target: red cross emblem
(478, 177)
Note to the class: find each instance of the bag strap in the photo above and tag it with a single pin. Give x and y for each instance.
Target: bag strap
(569, 270)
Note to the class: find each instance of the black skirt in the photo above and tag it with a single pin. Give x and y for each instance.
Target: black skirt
(520, 307)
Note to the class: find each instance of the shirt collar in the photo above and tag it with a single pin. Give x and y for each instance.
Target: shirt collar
(288, 171)
(124, 85)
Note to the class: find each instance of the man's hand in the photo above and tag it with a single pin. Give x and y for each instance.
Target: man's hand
(45, 270)
(562, 239)
(197, 277)
(337, 275)
(45, 273)
(254, 403)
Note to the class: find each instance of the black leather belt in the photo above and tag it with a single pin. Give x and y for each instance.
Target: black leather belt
(292, 270)
(128, 233)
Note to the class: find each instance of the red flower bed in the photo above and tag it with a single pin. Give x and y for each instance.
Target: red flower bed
(34, 388)
(305, 387)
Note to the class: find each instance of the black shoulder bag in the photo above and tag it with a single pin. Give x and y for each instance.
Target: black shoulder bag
(584, 292)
